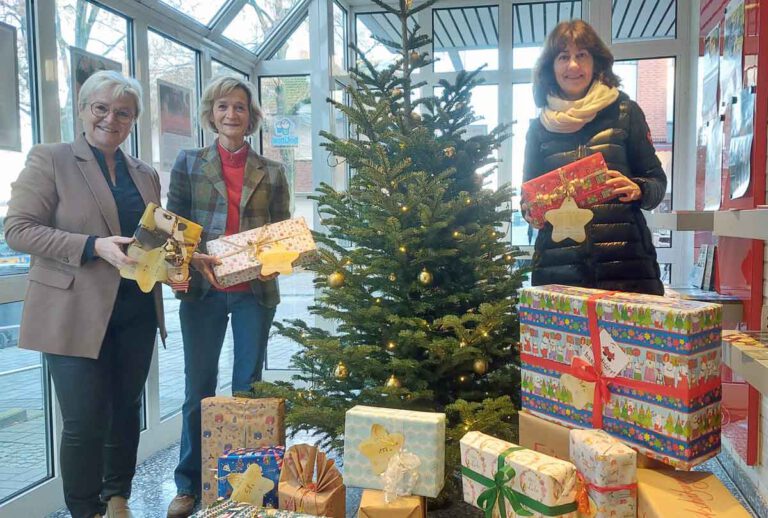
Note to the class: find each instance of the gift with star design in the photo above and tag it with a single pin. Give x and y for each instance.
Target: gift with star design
(377, 438)
(276, 248)
(584, 181)
(644, 368)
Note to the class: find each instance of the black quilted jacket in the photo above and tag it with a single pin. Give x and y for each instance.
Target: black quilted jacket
(618, 253)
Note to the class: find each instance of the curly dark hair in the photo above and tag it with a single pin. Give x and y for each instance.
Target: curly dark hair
(581, 34)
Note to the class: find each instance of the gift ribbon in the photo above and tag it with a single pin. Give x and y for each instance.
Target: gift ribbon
(499, 492)
(401, 475)
(253, 245)
(593, 373)
(583, 487)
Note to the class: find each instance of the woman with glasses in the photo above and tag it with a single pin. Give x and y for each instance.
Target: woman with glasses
(74, 208)
(583, 112)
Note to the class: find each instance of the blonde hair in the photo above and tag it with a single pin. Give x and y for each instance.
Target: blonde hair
(222, 86)
(115, 83)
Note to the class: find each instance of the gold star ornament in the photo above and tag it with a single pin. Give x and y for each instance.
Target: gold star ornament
(569, 221)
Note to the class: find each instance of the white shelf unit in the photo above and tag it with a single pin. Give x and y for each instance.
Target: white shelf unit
(748, 224)
(681, 220)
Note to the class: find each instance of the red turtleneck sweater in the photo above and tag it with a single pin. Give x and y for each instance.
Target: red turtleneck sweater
(233, 170)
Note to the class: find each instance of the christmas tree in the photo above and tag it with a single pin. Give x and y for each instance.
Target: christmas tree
(417, 280)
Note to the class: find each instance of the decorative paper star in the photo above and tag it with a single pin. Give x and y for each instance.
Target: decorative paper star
(380, 446)
(277, 259)
(568, 221)
(250, 487)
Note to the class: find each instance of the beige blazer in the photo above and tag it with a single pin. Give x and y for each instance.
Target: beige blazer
(60, 198)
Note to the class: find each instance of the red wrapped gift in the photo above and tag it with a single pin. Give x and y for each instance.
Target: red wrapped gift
(584, 180)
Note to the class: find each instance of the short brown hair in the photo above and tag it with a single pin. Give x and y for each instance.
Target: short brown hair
(581, 34)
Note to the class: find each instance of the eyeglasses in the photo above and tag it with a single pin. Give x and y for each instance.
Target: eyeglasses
(102, 110)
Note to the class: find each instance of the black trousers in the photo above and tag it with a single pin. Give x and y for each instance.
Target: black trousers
(100, 402)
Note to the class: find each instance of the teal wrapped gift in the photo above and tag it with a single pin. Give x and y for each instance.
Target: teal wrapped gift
(372, 436)
(229, 509)
(269, 459)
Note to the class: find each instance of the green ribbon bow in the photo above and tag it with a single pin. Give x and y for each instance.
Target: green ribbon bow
(499, 492)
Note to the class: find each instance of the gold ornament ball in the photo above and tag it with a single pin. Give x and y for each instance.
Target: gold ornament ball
(392, 277)
(336, 280)
(425, 278)
(480, 366)
(449, 151)
(341, 372)
(416, 116)
(393, 382)
(398, 91)
(414, 55)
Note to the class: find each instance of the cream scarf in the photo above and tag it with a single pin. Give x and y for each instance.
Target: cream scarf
(563, 116)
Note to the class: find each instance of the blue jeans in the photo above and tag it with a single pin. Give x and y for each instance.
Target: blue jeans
(203, 325)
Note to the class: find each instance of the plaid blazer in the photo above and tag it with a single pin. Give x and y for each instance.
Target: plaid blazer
(198, 192)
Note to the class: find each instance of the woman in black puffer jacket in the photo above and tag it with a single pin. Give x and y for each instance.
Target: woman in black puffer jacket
(583, 113)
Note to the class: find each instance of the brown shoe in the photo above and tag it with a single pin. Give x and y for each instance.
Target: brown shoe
(181, 506)
(117, 507)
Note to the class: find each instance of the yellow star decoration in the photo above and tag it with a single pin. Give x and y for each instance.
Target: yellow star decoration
(380, 447)
(277, 259)
(569, 221)
(149, 270)
(250, 487)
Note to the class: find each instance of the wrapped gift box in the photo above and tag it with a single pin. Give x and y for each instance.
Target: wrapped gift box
(373, 505)
(229, 509)
(229, 423)
(242, 255)
(681, 494)
(540, 484)
(656, 384)
(584, 180)
(311, 483)
(609, 468)
(269, 459)
(163, 246)
(373, 435)
(553, 439)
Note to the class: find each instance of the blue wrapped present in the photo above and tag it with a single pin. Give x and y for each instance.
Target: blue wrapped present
(237, 461)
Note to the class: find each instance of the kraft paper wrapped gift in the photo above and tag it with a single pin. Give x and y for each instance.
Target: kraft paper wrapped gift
(681, 494)
(553, 439)
(278, 247)
(372, 436)
(609, 471)
(507, 480)
(228, 423)
(656, 384)
(229, 509)
(310, 482)
(236, 465)
(583, 180)
(373, 505)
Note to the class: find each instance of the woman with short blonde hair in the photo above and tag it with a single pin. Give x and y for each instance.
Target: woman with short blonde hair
(221, 87)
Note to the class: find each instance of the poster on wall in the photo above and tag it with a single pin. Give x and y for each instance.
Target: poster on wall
(176, 128)
(713, 165)
(733, 44)
(10, 123)
(740, 149)
(84, 65)
(284, 131)
(710, 67)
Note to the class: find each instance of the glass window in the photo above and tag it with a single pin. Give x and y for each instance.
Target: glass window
(220, 69)
(297, 44)
(634, 20)
(339, 38)
(255, 21)
(341, 129)
(466, 38)
(384, 26)
(16, 116)
(202, 11)
(523, 110)
(286, 136)
(90, 38)
(651, 83)
(24, 422)
(173, 97)
(531, 22)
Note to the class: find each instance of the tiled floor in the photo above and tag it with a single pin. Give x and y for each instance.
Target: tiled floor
(153, 490)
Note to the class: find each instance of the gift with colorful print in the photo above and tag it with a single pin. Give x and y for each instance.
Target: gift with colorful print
(656, 384)
(583, 180)
(261, 466)
(506, 480)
